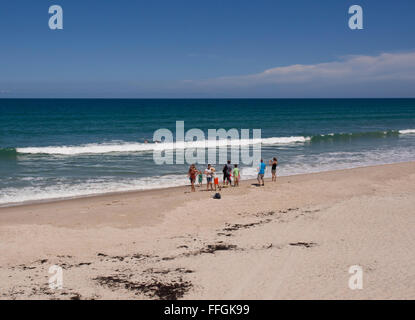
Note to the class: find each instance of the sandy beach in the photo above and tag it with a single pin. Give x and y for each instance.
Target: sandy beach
(293, 239)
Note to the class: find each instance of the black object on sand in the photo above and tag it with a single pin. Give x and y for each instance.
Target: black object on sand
(217, 196)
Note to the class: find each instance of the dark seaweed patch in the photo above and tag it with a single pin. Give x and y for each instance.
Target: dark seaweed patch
(265, 214)
(167, 271)
(77, 296)
(84, 264)
(155, 289)
(224, 234)
(303, 244)
(139, 256)
(237, 226)
(212, 248)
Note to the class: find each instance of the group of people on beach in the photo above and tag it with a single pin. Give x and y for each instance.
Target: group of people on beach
(229, 173)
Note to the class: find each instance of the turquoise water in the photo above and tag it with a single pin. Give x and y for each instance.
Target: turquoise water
(64, 148)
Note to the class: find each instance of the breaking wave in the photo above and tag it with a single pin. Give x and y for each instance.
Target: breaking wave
(123, 147)
(118, 147)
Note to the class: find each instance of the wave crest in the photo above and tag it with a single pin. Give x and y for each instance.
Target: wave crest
(354, 135)
(145, 147)
(123, 147)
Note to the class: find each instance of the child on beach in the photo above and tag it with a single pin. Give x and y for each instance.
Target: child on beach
(200, 177)
(236, 176)
(215, 179)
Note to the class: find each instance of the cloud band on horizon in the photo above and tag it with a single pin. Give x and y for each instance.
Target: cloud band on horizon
(383, 75)
(385, 66)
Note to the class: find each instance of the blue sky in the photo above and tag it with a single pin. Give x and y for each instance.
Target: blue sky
(212, 49)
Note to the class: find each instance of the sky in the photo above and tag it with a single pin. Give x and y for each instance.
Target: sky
(207, 49)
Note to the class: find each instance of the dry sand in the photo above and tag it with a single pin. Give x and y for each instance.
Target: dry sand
(293, 239)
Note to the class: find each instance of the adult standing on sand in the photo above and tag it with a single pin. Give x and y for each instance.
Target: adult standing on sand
(209, 176)
(274, 163)
(227, 171)
(261, 172)
(192, 176)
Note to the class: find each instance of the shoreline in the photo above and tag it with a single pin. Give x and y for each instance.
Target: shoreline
(293, 239)
(114, 193)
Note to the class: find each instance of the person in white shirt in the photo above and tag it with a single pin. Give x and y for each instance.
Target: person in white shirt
(209, 177)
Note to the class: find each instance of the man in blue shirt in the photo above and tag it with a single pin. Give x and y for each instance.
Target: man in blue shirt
(261, 172)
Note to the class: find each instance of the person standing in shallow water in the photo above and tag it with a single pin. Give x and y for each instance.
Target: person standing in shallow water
(192, 176)
(274, 163)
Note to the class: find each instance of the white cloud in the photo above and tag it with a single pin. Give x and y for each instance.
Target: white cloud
(348, 70)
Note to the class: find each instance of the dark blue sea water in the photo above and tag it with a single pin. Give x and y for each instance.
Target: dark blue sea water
(64, 148)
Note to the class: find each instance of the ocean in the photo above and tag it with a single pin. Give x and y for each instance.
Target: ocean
(61, 148)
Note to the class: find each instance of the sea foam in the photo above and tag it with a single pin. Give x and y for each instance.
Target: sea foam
(96, 148)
